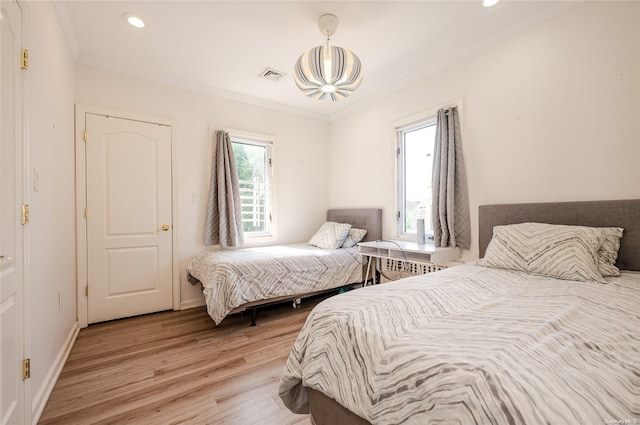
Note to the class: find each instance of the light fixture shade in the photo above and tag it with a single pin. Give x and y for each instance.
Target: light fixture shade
(328, 73)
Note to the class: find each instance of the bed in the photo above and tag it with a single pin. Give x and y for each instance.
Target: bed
(236, 280)
(477, 344)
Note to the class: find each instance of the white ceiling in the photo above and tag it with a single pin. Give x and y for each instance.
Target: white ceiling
(220, 47)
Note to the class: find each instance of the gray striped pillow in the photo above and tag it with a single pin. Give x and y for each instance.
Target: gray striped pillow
(608, 252)
(355, 236)
(330, 235)
(563, 252)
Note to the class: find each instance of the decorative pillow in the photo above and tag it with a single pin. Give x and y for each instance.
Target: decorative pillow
(355, 235)
(563, 252)
(330, 235)
(608, 252)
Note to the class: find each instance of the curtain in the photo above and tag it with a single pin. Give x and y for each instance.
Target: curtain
(450, 197)
(224, 220)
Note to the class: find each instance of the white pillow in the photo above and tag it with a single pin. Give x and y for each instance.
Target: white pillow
(563, 252)
(608, 252)
(331, 235)
(355, 235)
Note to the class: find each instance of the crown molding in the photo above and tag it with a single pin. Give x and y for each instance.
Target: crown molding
(67, 27)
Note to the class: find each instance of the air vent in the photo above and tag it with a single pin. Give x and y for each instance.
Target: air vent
(272, 74)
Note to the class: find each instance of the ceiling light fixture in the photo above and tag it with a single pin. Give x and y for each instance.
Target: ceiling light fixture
(489, 3)
(133, 20)
(328, 72)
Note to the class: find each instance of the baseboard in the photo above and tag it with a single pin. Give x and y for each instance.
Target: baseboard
(184, 305)
(43, 394)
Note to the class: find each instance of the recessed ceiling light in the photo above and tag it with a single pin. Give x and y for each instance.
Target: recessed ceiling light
(489, 3)
(133, 20)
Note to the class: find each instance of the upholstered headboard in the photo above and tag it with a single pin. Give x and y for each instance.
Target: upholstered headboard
(362, 218)
(622, 213)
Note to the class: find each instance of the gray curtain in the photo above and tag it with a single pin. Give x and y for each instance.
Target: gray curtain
(224, 220)
(450, 198)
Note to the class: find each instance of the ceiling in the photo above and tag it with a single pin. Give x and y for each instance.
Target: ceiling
(220, 47)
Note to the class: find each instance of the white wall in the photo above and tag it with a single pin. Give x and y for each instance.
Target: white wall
(52, 269)
(300, 154)
(552, 114)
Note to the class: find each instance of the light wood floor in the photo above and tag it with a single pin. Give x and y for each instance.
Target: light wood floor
(178, 368)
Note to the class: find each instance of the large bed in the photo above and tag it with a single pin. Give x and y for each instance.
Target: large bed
(482, 344)
(240, 279)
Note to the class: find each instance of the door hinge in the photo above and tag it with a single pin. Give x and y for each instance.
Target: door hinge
(26, 369)
(398, 216)
(25, 59)
(397, 151)
(86, 213)
(84, 135)
(86, 291)
(25, 214)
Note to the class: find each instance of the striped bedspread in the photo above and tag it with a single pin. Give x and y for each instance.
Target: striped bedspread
(236, 277)
(475, 345)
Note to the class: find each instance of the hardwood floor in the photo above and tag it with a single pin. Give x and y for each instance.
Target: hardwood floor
(179, 368)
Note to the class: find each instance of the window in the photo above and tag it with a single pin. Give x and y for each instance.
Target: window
(415, 162)
(253, 162)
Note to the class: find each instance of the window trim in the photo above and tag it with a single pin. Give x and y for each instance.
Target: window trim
(405, 122)
(268, 141)
(400, 131)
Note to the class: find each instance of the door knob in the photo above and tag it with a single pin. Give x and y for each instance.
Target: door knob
(164, 227)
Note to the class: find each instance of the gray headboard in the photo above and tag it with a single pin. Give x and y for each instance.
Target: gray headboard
(362, 218)
(623, 213)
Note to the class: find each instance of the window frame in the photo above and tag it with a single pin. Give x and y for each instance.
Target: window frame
(268, 142)
(400, 129)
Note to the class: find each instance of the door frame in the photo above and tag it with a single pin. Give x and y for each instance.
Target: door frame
(81, 203)
(23, 146)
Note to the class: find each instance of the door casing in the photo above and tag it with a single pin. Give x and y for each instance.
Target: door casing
(81, 203)
(21, 152)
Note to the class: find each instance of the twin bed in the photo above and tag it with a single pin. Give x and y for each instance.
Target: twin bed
(244, 279)
(532, 333)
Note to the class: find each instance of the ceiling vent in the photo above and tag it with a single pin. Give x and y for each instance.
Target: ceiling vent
(272, 74)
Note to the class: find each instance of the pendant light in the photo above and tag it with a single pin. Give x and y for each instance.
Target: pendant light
(328, 72)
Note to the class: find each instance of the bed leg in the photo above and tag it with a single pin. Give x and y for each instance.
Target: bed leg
(254, 313)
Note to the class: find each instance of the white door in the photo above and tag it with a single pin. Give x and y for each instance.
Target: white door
(12, 390)
(129, 226)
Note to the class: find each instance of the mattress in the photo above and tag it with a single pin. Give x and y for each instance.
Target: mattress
(232, 278)
(474, 345)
